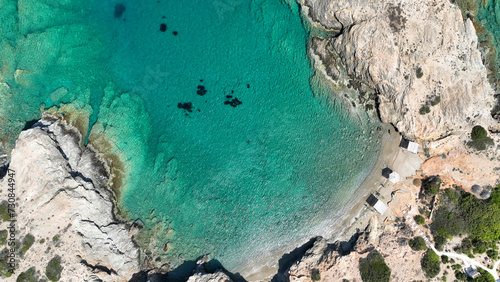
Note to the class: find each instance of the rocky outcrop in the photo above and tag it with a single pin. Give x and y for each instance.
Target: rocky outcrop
(201, 275)
(63, 201)
(331, 263)
(421, 58)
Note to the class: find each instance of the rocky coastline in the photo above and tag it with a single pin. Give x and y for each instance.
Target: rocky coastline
(416, 66)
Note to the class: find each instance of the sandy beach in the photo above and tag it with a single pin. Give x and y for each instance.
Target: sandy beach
(356, 213)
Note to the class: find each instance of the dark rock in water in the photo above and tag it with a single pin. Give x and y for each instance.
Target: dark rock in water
(232, 102)
(188, 106)
(163, 17)
(201, 90)
(229, 96)
(119, 10)
(232, 91)
(163, 27)
(174, 33)
(248, 85)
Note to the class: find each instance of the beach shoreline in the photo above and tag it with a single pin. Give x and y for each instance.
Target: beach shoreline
(266, 267)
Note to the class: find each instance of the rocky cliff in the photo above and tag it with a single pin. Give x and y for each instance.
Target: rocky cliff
(421, 59)
(336, 262)
(65, 225)
(63, 204)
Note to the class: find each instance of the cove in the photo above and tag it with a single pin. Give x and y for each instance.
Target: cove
(231, 148)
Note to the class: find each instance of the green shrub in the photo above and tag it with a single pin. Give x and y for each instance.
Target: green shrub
(465, 246)
(492, 254)
(417, 244)
(431, 264)
(27, 243)
(478, 132)
(479, 219)
(53, 269)
(4, 211)
(419, 219)
(424, 110)
(480, 246)
(315, 276)
(436, 101)
(484, 277)
(27, 276)
(480, 139)
(460, 276)
(373, 268)
(419, 72)
(431, 185)
(495, 196)
(444, 259)
(3, 236)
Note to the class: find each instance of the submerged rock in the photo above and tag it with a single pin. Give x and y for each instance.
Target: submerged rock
(119, 10)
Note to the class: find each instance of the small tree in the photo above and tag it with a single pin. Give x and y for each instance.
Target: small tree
(373, 268)
(478, 132)
(54, 268)
(419, 219)
(431, 264)
(480, 138)
(432, 184)
(417, 244)
(315, 276)
(492, 254)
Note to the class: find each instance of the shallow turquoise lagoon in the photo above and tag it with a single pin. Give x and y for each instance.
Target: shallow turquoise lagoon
(233, 149)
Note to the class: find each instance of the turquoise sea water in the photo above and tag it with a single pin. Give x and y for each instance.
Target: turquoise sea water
(489, 16)
(232, 148)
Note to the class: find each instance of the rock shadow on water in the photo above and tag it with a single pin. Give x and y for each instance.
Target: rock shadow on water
(287, 260)
(119, 10)
(30, 124)
(184, 271)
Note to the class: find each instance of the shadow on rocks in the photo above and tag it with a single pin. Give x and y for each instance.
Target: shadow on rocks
(183, 272)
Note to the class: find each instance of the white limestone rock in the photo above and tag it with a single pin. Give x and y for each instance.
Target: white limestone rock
(383, 43)
(63, 201)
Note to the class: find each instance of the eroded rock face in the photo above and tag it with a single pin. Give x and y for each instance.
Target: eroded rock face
(200, 275)
(63, 202)
(412, 54)
(391, 242)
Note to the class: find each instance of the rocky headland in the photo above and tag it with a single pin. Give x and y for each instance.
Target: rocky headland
(63, 204)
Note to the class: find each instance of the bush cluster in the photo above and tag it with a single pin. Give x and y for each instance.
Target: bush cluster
(373, 268)
(461, 213)
(424, 110)
(431, 264)
(431, 185)
(480, 139)
(417, 244)
(419, 219)
(54, 269)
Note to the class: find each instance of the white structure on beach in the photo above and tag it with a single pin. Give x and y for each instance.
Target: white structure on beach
(409, 145)
(391, 175)
(378, 205)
